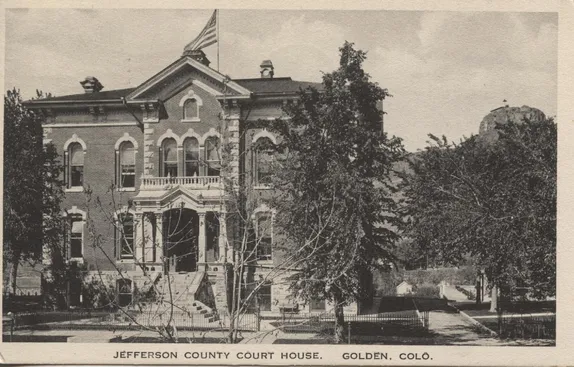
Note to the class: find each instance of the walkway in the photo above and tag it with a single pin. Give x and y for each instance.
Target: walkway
(452, 294)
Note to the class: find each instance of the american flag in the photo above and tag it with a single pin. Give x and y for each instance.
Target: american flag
(207, 37)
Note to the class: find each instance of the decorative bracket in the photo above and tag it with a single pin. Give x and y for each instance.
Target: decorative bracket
(150, 112)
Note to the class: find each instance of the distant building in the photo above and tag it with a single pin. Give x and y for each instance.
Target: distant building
(404, 289)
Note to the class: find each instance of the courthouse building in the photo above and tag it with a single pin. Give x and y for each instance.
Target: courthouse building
(153, 155)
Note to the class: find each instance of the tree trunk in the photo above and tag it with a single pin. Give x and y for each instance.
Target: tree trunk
(478, 290)
(499, 312)
(14, 274)
(339, 320)
(494, 299)
(231, 334)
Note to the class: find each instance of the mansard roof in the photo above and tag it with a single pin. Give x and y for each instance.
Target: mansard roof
(108, 95)
(275, 85)
(258, 86)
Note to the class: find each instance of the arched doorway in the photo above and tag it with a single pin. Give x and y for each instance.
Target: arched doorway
(180, 233)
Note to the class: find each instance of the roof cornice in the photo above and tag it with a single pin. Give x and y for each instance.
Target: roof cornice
(242, 92)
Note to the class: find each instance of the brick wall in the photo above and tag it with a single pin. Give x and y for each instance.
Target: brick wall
(99, 174)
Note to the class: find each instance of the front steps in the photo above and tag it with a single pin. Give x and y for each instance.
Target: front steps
(180, 290)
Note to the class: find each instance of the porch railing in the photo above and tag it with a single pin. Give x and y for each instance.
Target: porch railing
(200, 182)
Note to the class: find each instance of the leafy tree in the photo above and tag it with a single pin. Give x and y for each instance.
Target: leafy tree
(334, 201)
(32, 190)
(492, 200)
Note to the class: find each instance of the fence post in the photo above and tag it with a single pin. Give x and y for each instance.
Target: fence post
(349, 332)
(12, 322)
(258, 319)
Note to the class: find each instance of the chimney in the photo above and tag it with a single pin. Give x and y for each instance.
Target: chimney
(197, 55)
(91, 84)
(266, 69)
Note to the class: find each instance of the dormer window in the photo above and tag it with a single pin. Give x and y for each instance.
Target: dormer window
(190, 104)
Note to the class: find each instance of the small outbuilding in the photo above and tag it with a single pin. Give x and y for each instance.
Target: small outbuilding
(404, 288)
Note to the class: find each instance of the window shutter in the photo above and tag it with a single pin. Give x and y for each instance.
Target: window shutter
(253, 164)
(66, 232)
(66, 173)
(116, 251)
(117, 174)
(84, 235)
(159, 165)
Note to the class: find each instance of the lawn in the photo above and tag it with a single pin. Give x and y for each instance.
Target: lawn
(517, 308)
(520, 320)
(525, 327)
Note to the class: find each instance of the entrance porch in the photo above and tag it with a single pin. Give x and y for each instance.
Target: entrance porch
(179, 231)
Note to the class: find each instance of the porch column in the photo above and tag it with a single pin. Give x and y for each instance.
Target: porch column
(180, 161)
(158, 240)
(222, 238)
(201, 243)
(148, 238)
(139, 240)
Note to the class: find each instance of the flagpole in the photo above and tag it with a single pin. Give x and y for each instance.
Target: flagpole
(218, 39)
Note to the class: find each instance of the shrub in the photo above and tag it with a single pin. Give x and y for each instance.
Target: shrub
(426, 290)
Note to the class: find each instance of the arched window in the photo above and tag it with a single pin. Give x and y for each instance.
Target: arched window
(124, 287)
(127, 166)
(74, 224)
(191, 157)
(125, 236)
(263, 161)
(212, 158)
(169, 157)
(76, 165)
(264, 240)
(74, 236)
(191, 109)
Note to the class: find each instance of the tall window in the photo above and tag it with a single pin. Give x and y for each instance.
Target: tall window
(264, 297)
(124, 287)
(75, 292)
(76, 235)
(190, 109)
(212, 159)
(76, 165)
(125, 236)
(191, 157)
(169, 157)
(263, 161)
(127, 165)
(264, 236)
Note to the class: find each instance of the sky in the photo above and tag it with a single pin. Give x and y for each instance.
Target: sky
(445, 70)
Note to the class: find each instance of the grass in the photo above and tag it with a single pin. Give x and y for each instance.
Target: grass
(525, 327)
(518, 319)
(34, 338)
(518, 308)
(183, 340)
